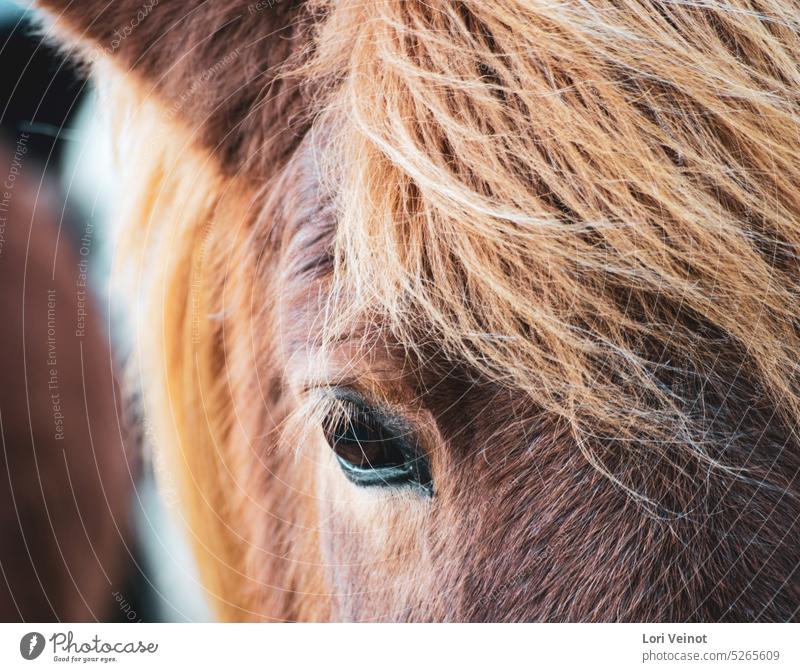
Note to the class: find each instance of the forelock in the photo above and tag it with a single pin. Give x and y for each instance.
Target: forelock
(594, 204)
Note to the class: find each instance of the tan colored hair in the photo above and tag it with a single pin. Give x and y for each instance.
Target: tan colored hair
(564, 192)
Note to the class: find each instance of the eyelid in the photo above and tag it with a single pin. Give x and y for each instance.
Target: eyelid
(326, 399)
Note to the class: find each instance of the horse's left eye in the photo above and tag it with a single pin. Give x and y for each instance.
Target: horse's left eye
(371, 453)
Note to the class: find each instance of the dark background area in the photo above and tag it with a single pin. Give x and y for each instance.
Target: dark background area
(85, 534)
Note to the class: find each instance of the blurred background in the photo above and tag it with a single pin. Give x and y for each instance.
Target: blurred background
(86, 534)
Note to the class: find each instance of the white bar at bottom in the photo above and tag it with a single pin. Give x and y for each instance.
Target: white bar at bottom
(386, 647)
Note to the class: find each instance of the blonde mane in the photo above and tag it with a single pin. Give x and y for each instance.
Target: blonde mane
(563, 193)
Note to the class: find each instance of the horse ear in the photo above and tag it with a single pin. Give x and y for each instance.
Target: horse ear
(214, 65)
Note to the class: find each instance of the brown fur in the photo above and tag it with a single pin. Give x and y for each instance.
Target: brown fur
(560, 240)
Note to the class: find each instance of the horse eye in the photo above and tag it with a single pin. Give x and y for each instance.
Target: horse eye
(370, 453)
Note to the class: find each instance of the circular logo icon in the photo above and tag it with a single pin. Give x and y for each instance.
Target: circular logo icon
(31, 645)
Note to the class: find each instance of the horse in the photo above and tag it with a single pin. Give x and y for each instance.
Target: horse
(465, 310)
